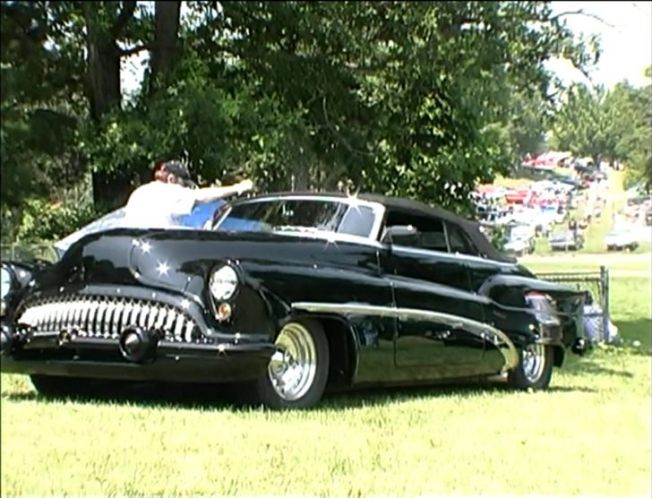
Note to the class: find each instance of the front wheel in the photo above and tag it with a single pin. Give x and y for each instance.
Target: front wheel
(534, 369)
(297, 373)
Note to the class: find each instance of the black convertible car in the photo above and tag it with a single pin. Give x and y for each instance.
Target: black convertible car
(289, 295)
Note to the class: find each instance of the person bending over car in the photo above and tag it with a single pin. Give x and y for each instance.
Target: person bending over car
(172, 195)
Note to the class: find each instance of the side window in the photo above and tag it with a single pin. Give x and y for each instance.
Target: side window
(429, 231)
(357, 221)
(459, 241)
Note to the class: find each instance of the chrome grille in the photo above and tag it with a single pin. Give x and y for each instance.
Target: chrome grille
(106, 317)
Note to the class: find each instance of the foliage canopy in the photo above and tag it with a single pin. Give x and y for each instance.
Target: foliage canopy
(413, 99)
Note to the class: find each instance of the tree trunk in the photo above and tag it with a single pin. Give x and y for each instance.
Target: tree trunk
(166, 41)
(104, 94)
(301, 178)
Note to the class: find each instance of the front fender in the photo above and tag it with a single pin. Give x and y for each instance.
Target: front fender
(21, 278)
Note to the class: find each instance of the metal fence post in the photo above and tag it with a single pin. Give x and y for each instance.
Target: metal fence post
(604, 283)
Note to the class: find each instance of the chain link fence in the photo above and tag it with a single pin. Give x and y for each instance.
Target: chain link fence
(596, 283)
(27, 252)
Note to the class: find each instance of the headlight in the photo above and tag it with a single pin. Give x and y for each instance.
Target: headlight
(5, 282)
(223, 283)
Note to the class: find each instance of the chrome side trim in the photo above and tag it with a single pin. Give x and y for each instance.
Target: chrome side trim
(457, 256)
(483, 330)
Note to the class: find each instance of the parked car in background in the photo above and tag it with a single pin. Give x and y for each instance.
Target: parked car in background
(639, 200)
(519, 239)
(620, 239)
(288, 295)
(565, 179)
(590, 172)
(494, 215)
(519, 246)
(569, 240)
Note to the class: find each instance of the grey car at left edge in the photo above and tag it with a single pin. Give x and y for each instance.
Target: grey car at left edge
(289, 295)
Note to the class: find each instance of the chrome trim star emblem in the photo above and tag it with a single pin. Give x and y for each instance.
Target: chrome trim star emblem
(163, 268)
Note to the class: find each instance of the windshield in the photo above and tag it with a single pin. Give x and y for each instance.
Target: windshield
(299, 215)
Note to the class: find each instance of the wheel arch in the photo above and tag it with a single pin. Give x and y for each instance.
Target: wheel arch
(342, 346)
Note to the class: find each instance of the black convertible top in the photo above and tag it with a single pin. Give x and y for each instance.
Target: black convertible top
(418, 208)
(471, 228)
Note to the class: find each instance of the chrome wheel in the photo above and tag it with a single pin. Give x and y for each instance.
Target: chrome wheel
(293, 367)
(533, 358)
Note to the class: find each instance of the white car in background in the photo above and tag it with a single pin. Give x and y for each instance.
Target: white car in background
(568, 240)
(621, 239)
(519, 246)
(519, 239)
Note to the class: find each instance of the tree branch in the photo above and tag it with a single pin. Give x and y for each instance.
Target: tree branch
(338, 135)
(125, 15)
(126, 52)
(581, 12)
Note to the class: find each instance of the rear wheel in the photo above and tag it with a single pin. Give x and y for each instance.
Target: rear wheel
(534, 368)
(297, 373)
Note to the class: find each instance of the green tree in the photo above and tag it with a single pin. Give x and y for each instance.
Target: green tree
(580, 124)
(614, 126)
(416, 99)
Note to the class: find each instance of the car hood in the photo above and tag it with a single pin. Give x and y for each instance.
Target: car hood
(201, 213)
(181, 260)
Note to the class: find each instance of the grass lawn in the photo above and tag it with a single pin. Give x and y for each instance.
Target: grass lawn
(590, 434)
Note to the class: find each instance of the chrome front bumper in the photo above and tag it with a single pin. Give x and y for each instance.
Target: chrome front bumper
(57, 353)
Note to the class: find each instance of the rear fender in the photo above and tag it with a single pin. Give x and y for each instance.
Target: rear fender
(508, 293)
(510, 290)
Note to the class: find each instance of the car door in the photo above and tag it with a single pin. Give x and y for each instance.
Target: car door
(432, 295)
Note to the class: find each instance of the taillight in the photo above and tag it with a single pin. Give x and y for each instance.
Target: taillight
(544, 307)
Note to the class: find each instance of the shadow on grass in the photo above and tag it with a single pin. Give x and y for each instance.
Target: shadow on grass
(233, 398)
(592, 368)
(32, 395)
(636, 330)
(572, 389)
(611, 361)
(146, 394)
(381, 396)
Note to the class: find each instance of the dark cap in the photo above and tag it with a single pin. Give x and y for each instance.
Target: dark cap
(178, 169)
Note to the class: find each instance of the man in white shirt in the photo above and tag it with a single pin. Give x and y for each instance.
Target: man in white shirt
(171, 195)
